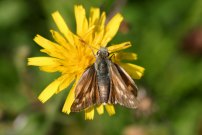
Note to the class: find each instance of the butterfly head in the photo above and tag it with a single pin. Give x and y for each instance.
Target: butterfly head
(103, 52)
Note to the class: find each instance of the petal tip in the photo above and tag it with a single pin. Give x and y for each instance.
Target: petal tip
(66, 111)
(55, 13)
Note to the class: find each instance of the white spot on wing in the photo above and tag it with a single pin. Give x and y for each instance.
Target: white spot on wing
(131, 102)
(122, 85)
(79, 105)
(131, 96)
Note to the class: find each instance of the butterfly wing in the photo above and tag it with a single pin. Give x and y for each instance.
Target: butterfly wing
(123, 88)
(128, 80)
(86, 91)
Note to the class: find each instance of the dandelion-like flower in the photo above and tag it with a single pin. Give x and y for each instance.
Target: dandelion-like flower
(71, 55)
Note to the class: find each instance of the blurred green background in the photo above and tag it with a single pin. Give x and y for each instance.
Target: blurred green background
(166, 35)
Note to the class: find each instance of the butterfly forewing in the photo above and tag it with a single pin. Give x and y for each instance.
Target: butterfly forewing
(123, 88)
(86, 91)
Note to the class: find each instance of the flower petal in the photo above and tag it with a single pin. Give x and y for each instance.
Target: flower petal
(102, 21)
(123, 56)
(61, 40)
(81, 20)
(94, 16)
(111, 29)
(89, 113)
(50, 89)
(45, 43)
(100, 109)
(118, 47)
(135, 71)
(110, 109)
(43, 61)
(63, 27)
(51, 68)
(68, 79)
(99, 31)
(88, 37)
(97, 38)
(50, 47)
(70, 98)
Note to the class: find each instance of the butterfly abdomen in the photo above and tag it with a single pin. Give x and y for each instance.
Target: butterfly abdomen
(103, 80)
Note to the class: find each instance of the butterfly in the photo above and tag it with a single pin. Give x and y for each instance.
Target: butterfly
(104, 82)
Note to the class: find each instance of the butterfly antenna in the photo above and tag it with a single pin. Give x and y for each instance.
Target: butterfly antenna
(89, 46)
(113, 55)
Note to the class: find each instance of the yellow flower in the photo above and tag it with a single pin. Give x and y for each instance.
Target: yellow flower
(69, 55)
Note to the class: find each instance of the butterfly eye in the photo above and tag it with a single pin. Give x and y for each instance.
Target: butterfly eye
(107, 54)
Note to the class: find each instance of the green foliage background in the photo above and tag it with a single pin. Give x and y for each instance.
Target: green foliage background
(157, 29)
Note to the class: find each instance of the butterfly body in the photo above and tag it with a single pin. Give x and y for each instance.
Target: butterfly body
(104, 83)
(102, 74)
